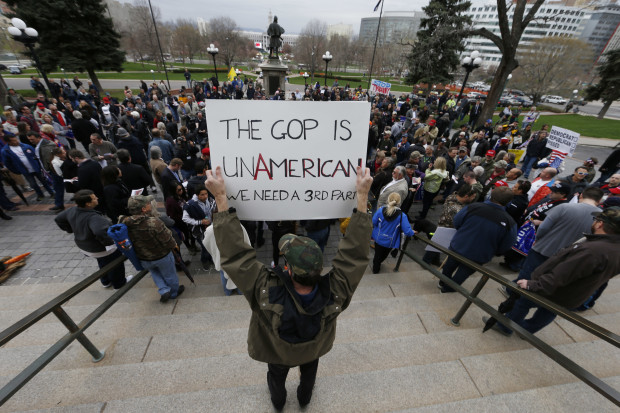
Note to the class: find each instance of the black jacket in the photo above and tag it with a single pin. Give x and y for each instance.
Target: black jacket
(135, 148)
(517, 207)
(89, 177)
(82, 129)
(116, 197)
(89, 228)
(135, 177)
(168, 182)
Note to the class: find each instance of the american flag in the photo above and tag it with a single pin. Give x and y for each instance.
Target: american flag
(556, 158)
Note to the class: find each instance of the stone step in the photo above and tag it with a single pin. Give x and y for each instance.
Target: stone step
(563, 398)
(434, 311)
(206, 286)
(342, 374)
(148, 341)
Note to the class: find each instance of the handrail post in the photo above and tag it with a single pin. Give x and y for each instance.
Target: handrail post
(456, 320)
(402, 252)
(84, 341)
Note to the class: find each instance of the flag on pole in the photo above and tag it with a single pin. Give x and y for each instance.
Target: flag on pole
(378, 4)
(231, 74)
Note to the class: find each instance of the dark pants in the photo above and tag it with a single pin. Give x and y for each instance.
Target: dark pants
(59, 190)
(320, 237)
(462, 273)
(30, 178)
(5, 202)
(116, 276)
(533, 260)
(381, 254)
(276, 379)
(539, 320)
(427, 201)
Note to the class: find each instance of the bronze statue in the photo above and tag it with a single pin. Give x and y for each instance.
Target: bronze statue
(275, 32)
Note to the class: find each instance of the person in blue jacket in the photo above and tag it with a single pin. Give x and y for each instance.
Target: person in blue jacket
(387, 224)
(484, 229)
(21, 159)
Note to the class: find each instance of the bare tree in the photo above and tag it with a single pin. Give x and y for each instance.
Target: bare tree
(186, 39)
(224, 33)
(311, 45)
(552, 63)
(513, 19)
(138, 36)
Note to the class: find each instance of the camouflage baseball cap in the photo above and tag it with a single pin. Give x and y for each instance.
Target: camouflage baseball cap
(303, 254)
(136, 203)
(610, 215)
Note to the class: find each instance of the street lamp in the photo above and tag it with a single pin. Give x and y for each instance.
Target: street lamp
(505, 84)
(469, 63)
(238, 72)
(153, 74)
(305, 75)
(28, 36)
(212, 50)
(327, 57)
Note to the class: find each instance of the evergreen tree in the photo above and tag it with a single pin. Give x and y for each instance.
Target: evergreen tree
(74, 34)
(435, 54)
(608, 87)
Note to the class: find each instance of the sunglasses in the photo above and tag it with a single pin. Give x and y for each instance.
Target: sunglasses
(582, 173)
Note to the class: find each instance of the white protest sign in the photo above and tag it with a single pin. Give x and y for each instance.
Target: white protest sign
(378, 86)
(288, 160)
(562, 140)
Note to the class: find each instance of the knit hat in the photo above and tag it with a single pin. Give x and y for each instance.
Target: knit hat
(122, 133)
(303, 254)
(206, 151)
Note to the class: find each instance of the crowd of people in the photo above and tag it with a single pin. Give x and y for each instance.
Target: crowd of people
(112, 154)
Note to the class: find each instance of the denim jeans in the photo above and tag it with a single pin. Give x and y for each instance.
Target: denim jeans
(320, 237)
(164, 274)
(528, 163)
(30, 178)
(539, 320)
(226, 290)
(59, 190)
(116, 277)
(533, 260)
(462, 273)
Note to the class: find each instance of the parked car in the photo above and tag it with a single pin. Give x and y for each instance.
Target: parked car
(14, 70)
(3, 67)
(504, 101)
(558, 100)
(475, 95)
(521, 101)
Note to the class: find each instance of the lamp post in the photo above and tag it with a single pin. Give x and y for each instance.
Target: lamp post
(327, 57)
(212, 50)
(153, 74)
(28, 36)
(469, 63)
(238, 72)
(505, 84)
(306, 75)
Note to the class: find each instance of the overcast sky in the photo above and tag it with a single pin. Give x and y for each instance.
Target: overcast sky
(292, 14)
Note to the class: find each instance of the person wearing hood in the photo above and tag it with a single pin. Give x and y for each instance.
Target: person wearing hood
(135, 148)
(153, 243)
(388, 223)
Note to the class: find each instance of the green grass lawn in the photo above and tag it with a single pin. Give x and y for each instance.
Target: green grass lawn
(585, 125)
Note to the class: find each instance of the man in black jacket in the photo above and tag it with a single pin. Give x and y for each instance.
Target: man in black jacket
(90, 231)
(133, 176)
(572, 275)
(82, 128)
(88, 176)
(519, 202)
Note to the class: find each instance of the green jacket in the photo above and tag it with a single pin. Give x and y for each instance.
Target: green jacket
(258, 282)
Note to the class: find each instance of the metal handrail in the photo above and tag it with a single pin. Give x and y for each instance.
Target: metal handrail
(597, 384)
(76, 331)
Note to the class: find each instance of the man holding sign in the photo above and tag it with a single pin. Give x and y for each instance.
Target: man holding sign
(294, 310)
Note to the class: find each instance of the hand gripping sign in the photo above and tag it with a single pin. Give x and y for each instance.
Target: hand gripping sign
(288, 160)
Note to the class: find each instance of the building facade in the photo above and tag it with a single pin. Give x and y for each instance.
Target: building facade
(554, 19)
(598, 29)
(395, 26)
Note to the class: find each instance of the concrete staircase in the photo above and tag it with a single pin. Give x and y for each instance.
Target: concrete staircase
(395, 350)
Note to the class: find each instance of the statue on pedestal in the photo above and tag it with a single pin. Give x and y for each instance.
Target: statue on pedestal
(275, 32)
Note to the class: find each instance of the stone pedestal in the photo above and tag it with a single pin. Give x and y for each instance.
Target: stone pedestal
(274, 73)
